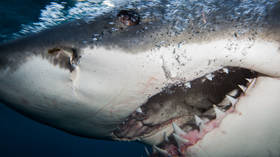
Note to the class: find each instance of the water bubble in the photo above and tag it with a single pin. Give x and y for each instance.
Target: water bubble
(114, 29)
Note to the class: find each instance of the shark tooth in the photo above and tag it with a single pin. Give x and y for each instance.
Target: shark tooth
(163, 152)
(219, 113)
(249, 80)
(225, 70)
(178, 130)
(188, 85)
(231, 99)
(180, 141)
(165, 137)
(147, 151)
(199, 122)
(209, 77)
(233, 93)
(139, 110)
(243, 88)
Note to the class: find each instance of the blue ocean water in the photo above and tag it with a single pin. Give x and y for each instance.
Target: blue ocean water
(22, 137)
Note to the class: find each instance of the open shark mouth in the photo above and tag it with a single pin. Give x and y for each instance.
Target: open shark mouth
(193, 108)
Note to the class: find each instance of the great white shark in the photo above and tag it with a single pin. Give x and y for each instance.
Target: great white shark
(191, 78)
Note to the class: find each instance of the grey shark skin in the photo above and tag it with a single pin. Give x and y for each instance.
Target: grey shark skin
(87, 77)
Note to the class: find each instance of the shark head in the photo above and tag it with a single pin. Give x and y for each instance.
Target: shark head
(190, 78)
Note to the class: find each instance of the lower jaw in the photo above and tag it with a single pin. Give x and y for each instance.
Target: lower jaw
(253, 130)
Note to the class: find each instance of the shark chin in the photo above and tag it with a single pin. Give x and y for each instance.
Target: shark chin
(189, 79)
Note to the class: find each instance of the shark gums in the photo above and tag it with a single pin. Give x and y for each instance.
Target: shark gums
(191, 78)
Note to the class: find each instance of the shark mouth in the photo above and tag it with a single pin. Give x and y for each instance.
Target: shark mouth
(193, 109)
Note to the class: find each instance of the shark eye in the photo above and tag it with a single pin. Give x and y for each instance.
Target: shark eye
(128, 18)
(191, 104)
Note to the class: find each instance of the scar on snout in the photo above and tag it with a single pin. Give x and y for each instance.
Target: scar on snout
(54, 50)
(67, 58)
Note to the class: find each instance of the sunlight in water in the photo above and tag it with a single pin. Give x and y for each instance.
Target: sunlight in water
(58, 12)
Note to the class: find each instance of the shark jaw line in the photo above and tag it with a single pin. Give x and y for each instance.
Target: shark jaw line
(197, 107)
